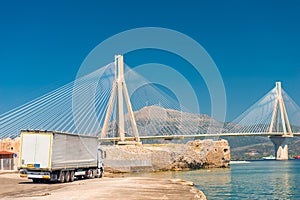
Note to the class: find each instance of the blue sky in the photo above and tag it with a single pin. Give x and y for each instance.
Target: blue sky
(253, 43)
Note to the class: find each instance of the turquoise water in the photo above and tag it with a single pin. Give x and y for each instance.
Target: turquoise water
(254, 180)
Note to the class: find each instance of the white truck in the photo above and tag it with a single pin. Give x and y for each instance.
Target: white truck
(56, 156)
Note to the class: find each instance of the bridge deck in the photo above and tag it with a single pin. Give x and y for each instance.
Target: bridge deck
(174, 137)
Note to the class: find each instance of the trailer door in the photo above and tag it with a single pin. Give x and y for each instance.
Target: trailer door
(36, 150)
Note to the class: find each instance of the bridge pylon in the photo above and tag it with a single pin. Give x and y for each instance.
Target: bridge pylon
(120, 92)
(280, 117)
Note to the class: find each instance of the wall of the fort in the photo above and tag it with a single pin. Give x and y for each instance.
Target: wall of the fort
(161, 157)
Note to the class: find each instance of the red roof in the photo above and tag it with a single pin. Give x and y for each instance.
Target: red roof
(6, 153)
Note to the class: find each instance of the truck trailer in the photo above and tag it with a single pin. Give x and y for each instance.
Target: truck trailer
(57, 156)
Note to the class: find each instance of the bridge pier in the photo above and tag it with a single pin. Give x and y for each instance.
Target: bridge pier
(281, 147)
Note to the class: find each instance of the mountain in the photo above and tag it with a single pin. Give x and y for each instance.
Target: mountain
(155, 120)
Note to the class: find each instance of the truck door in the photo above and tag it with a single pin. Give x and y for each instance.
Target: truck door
(36, 150)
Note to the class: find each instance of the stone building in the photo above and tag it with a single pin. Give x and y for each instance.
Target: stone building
(13, 146)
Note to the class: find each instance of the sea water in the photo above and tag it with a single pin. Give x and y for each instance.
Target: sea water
(267, 179)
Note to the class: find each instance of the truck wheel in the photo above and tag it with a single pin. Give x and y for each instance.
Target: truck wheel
(92, 174)
(89, 174)
(72, 176)
(45, 180)
(101, 173)
(67, 176)
(35, 180)
(95, 173)
(62, 177)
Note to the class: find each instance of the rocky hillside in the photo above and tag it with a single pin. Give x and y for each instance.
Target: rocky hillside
(155, 120)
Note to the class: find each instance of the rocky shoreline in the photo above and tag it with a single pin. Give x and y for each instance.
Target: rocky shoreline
(164, 157)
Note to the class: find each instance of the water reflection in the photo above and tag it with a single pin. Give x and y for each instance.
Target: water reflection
(280, 183)
(255, 180)
(213, 181)
(218, 180)
(266, 180)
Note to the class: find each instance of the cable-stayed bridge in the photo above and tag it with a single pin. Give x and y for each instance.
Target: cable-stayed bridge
(103, 104)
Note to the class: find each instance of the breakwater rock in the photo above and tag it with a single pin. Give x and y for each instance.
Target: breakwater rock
(162, 157)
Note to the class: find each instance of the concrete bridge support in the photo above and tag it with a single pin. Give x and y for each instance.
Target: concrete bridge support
(281, 147)
(280, 121)
(120, 92)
